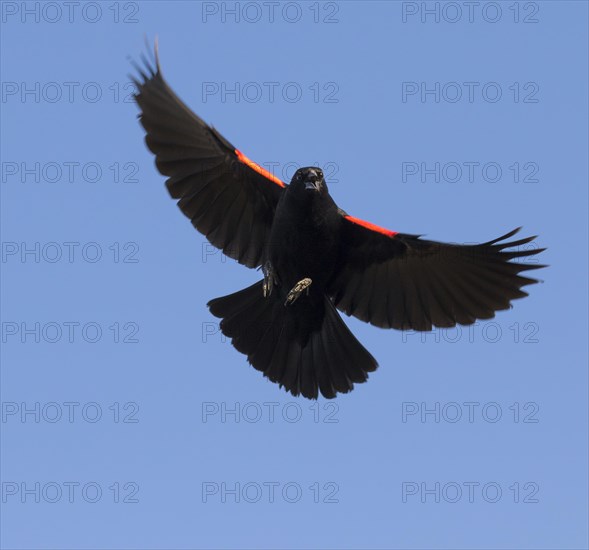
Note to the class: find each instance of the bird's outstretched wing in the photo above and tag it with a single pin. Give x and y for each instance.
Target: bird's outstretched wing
(229, 198)
(395, 280)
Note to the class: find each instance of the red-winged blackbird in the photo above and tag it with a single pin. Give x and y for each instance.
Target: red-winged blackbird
(315, 256)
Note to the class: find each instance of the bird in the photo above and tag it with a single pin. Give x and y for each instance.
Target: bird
(315, 258)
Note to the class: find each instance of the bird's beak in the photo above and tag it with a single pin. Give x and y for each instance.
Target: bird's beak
(313, 185)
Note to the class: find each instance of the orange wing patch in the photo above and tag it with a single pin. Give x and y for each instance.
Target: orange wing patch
(371, 226)
(255, 166)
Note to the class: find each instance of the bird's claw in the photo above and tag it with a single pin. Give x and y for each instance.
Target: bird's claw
(269, 279)
(267, 287)
(297, 290)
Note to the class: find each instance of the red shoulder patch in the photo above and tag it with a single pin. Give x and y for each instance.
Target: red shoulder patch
(255, 166)
(371, 226)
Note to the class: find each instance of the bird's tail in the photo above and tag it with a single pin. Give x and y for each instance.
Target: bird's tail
(328, 358)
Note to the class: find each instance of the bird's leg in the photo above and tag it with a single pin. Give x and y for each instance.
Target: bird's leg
(297, 290)
(270, 279)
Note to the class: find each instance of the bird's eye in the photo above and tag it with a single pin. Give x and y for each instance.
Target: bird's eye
(320, 173)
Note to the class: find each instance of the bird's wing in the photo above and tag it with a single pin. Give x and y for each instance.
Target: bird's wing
(229, 198)
(395, 280)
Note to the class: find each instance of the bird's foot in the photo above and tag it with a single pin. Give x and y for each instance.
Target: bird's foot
(269, 279)
(297, 290)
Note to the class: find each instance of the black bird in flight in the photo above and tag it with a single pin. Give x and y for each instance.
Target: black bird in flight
(315, 257)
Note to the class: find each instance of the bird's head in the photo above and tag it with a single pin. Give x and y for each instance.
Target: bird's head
(310, 180)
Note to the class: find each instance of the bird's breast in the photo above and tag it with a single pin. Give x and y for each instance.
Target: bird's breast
(303, 243)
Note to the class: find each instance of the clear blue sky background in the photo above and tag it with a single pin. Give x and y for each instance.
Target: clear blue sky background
(360, 458)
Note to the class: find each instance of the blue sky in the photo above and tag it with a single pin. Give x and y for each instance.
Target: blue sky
(117, 388)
